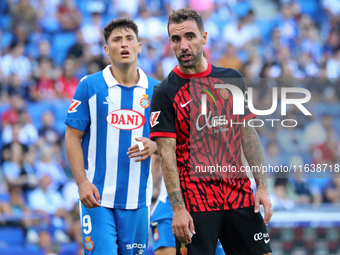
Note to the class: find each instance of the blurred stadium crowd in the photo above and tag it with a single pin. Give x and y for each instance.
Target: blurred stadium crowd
(47, 46)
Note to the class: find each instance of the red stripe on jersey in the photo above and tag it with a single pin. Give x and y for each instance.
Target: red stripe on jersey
(162, 134)
(195, 75)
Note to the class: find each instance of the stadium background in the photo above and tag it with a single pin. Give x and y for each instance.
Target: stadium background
(47, 46)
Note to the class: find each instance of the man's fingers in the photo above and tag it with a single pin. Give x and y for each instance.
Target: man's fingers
(268, 212)
(94, 202)
(97, 195)
(192, 226)
(85, 202)
(187, 235)
(142, 158)
(257, 204)
(132, 151)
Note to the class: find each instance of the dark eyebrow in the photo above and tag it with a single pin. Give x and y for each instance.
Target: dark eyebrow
(174, 36)
(190, 33)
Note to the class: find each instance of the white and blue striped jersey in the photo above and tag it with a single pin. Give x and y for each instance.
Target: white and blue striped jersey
(111, 117)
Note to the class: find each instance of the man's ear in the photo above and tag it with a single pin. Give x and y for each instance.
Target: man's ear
(107, 51)
(205, 38)
(139, 47)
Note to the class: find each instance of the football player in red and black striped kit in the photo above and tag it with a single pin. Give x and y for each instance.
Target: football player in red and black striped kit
(193, 136)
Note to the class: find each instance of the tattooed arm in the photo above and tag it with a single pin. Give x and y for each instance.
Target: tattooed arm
(182, 221)
(253, 152)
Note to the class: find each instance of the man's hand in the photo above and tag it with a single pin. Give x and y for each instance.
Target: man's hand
(149, 148)
(182, 222)
(262, 198)
(89, 195)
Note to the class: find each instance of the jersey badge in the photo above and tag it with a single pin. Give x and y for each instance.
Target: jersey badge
(156, 235)
(74, 105)
(89, 243)
(224, 93)
(145, 102)
(153, 118)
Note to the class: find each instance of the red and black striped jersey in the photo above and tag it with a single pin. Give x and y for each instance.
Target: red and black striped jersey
(200, 117)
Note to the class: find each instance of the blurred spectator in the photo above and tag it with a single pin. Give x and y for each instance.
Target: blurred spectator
(15, 171)
(329, 151)
(279, 199)
(125, 7)
(149, 60)
(332, 189)
(44, 86)
(16, 86)
(68, 15)
(150, 29)
(66, 84)
(16, 62)
(28, 133)
(45, 242)
(240, 32)
(44, 198)
(229, 58)
(333, 66)
(10, 117)
(47, 165)
(92, 33)
(287, 24)
(23, 13)
(77, 50)
(44, 49)
(48, 135)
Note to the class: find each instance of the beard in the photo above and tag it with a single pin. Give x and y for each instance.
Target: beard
(195, 58)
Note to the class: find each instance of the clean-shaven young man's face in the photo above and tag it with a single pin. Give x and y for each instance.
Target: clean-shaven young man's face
(122, 46)
(187, 42)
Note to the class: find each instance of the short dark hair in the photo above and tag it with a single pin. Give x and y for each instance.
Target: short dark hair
(185, 14)
(120, 23)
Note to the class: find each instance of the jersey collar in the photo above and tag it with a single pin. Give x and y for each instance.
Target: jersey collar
(195, 75)
(111, 81)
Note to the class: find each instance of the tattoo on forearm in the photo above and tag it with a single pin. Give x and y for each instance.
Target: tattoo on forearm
(176, 198)
(167, 150)
(253, 152)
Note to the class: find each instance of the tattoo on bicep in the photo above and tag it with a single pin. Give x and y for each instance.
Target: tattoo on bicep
(253, 152)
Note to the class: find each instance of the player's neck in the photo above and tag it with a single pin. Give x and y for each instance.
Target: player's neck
(200, 67)
(126, 75)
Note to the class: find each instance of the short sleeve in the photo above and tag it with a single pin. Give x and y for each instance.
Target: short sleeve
(78, 115)
(162, 117)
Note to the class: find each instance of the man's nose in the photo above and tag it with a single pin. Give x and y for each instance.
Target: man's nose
(184, 45)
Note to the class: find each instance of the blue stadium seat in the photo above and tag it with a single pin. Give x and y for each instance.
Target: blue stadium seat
(60, 109)
(6, 39)
(5, 22)
(68, 249)
(309, 6)
(61, 43)
(36, 109)
(266, 26)
(12, 236)
(21, 251)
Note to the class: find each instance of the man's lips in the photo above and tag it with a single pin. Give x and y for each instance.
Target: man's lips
(125, 53)
(186, 57)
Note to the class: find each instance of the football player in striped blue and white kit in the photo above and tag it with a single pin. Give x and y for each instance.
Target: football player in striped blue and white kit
(108, 147)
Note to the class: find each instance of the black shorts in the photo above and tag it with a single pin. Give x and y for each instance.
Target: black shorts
(241, 232)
